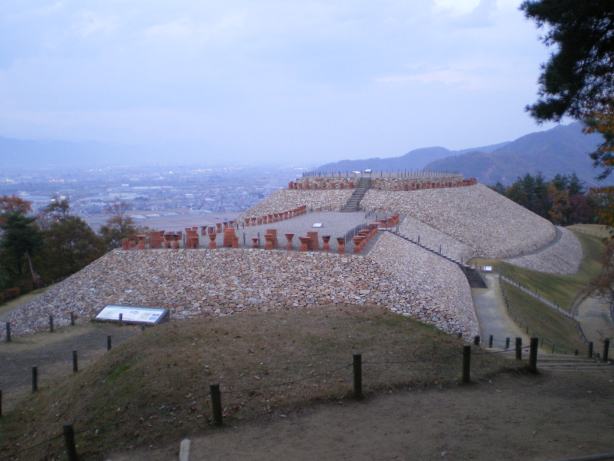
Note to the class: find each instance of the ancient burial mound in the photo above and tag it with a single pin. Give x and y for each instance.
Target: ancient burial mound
(454, 216)
(225, 281)
(153, 389)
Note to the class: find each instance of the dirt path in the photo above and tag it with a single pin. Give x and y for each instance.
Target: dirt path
(552, 416)
(52, 354)
(595, 319)
(492, 315)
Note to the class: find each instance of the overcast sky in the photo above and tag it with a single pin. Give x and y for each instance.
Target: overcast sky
(270, 79)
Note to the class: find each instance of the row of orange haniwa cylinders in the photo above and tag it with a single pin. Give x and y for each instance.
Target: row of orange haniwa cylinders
(311, 242)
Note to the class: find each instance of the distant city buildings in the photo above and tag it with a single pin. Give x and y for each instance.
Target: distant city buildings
(150, 192)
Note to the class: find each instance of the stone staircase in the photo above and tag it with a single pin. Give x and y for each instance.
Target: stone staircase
(473, 276)
(353, 203)
(572, 363)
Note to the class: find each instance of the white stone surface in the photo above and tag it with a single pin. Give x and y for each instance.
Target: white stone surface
(440, 287)
(434, 238)
(563, 257)
(480, 218)
(285, 199)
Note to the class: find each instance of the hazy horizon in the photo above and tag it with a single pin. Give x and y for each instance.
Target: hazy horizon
(277, 83)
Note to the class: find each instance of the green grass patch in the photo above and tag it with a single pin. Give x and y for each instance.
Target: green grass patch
(560, 289)
(542, 321)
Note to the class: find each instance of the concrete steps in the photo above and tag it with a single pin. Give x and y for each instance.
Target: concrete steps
(353, 203)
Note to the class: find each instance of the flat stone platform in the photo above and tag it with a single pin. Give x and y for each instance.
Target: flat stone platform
(334, 223)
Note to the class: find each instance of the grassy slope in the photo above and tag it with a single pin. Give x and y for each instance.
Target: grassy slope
(153, 389)
(561, 289)
(543, 322)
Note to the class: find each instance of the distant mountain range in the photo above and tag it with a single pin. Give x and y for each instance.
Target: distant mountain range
(563, 149)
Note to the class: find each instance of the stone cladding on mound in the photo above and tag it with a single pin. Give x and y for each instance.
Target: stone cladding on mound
(563, 257)
(222, 282)
(477, 216)
(284, 199)
(438, 284)
(433, 238)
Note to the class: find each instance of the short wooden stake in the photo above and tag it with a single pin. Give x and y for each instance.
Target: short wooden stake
(34, 379)
(216, 404)
(476, 340)
(606, 349)
(357, 366)
(8, 332)
(108, 343)
(518, 348)
(121, 319)
(507, 343)
(69, 441)
(490, 341)
(72, 319)
(590, 350)
(75, 363)
(533, 355)
(466, 364)
(51, 323)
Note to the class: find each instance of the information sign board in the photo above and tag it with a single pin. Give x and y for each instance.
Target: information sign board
(132, 314)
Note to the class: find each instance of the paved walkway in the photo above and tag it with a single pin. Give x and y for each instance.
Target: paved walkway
(492, 314)
(595, 319)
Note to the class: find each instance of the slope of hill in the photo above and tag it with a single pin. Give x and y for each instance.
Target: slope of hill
(563, 149)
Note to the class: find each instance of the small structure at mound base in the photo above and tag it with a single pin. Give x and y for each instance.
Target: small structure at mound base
(133, 315)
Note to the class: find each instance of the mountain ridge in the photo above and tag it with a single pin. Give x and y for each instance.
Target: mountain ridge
(563, 149)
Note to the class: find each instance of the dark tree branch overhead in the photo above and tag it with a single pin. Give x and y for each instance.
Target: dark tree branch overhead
(578, 80)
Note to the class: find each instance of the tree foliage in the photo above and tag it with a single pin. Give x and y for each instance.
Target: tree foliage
(578, 79)
(69, 244)
(563, 200)
(43, 249)
(119, 225)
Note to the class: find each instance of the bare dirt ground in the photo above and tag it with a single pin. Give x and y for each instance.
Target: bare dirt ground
(52, 354)
(514, 417)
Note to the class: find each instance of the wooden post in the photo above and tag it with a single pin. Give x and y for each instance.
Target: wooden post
(466, 364)
(75, 363)
(507, 343)
(8, 332)
(121, 319)
(476, 340)
(590, 350)
(34, 379)
(490, 341)
(51, 323)
(518, 348)
(357, 366)
(69, 440)
(216, 404)
(0, 403)
(533, 355)
(606, 349)
(108, 343)
(72, 319)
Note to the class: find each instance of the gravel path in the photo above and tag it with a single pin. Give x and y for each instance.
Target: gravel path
(562, 257)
